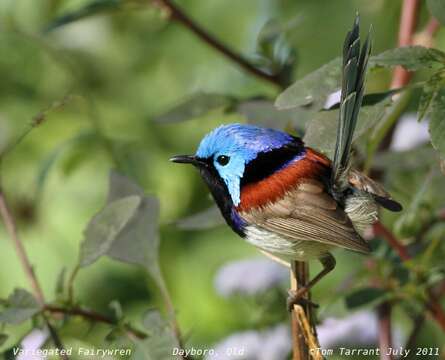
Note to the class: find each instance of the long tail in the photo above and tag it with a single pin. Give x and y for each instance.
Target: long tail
(355, 61)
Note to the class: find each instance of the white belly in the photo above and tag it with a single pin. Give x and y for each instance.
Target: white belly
(285, 248)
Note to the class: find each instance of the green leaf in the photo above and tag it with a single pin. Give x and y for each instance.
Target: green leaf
(195, 106)
(437, 123)
(21, 306)
(154, 323)
(115, 335)
(120, 186)
(116, 307)
(411, 220)
(138, 241)
(437, 9)
(372, 98)
(313, 89)
(414, 159)
(273, 29)
(3, 338)
(206, 219)
(104, 228)
(161, 342)
(275, 54)
(60, 283)
(364, 296)
(321, 132)
(263, 112)
(126, 229)
(93, 8)
(82, 141)
(410, 57)
(429, 93)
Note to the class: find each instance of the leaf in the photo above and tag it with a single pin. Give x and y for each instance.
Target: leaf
(195, 106)
(321, 132)
(21, 306)
(372, 98)
(93, 8)
(410, 57)
(364, 296)
(437, 9)
(437, 123)
(263, 112)
(206, 219)
(46, 165)
(273, 29)
(414, 159)
(161, 342)
(60, 283)
(104, 228)
(116, 307)
(138, 242)
(115, 335)
(411, 221)
(126, 229)
(84, 140)
(275, 54)
(3, 338)
(120, 186)
(313, 89)
(154, 323)
(429, 93)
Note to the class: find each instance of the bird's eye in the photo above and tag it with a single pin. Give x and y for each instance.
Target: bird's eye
(223, 160)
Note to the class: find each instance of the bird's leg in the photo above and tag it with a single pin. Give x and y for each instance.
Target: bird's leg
(295, 297)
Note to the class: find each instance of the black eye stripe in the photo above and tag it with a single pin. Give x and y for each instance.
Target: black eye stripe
(223, 160)
(267, 163)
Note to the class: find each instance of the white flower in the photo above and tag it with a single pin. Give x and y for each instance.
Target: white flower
(359, 328)
(271, 344)
(409, 133)
(249, 276)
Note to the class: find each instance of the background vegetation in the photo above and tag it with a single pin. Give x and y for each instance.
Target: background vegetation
(90, 86)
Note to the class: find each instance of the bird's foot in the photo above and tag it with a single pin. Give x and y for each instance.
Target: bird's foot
(297, 298)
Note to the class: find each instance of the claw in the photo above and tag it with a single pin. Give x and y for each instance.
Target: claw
(296, 298)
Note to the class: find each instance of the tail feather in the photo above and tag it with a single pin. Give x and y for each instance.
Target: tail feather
(355, 61)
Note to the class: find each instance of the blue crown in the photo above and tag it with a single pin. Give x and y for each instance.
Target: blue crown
(248, 140)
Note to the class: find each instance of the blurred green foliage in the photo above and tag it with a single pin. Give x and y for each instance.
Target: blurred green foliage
(108, 84)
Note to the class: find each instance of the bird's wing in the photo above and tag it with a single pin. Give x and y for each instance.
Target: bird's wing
(308, 213)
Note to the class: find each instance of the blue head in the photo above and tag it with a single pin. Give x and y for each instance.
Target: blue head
(230, 148)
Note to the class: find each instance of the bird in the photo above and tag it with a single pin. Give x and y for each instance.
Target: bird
(290, 200)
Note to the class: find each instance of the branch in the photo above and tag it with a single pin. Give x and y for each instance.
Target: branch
(408, 21)
(56, 338)
(176, 14)
(171, 312)
(93, 316)
(381, 230)
(417, 326)
(298, 278)
(385, 336)
(11, 229)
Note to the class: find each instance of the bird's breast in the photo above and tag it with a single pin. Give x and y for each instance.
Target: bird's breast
(283, 247)
(312, 166)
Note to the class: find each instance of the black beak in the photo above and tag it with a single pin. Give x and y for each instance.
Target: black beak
(187, 159)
